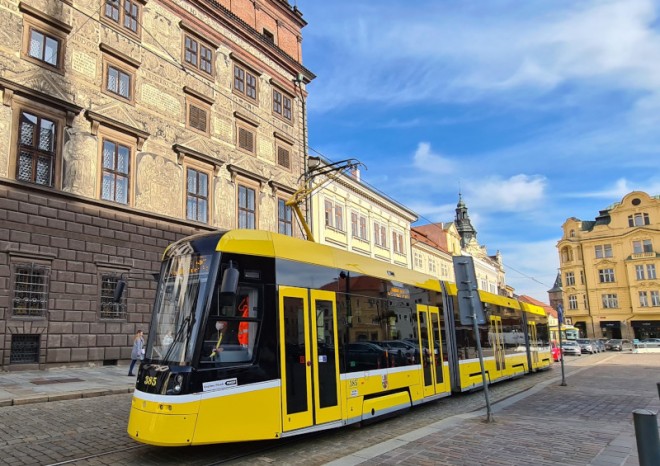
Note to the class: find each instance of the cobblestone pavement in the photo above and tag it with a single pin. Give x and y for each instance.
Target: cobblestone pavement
(577, 423)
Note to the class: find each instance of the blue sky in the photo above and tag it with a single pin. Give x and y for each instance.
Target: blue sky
(539, 110)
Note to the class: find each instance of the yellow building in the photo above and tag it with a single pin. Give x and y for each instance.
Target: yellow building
(609, 270)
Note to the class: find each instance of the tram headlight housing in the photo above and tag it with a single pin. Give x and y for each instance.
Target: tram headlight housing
(176, 384)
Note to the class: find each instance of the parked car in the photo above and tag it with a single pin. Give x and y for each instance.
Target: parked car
(619, 344)
(586, 345)
(650, 340)
(401, 352)
(600, 344)
(571, 347)
(555, 351)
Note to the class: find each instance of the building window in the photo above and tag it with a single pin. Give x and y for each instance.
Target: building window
(30, 297)
(284, 218)
(380, 235)
(432, 266)
(640, 247)
(116, 163)
(328, 213)
(198, 55)
(643, 299)
(638, 220)
(24, 349)
(282, 105)
(118, 82)
(639, 272)
(610, 301)
(283, 156)
(109, 308)
(44, 48)
(566, 254)
(359, 226)
(339, 217)
(197, 115)
(247, 209)
(37, 142)
(124, 14)
(603, 250)
(269, 36)
(444, 269)
(397, 244)
(572, 302)
(246, 139)
(581, 277)
(606, 275)
(245, 82)
(570, 279)
(650, 271)
(418, 260)
(655, 298)
(197, 197)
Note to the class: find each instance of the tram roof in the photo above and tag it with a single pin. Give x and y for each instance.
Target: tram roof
(270, 244)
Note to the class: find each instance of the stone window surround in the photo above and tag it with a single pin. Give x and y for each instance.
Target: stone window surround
(276, 85)
(120, 27)
(35, 19)
(247, 68)
(122, 62)
(19, 97)
(286, 143)
(21, 257)
(248, 124)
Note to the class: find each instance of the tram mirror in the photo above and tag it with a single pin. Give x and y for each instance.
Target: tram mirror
(119, 290)
(230, 280)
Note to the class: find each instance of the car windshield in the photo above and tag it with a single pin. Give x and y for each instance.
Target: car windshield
(583, 341)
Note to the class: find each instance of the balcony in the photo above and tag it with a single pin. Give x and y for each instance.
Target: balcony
(643, 255)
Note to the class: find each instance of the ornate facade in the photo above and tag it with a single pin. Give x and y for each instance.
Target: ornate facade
(124, 125)
(609, 270)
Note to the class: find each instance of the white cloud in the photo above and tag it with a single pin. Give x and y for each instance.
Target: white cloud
(430, 162)
(620, 188)
(517, 193)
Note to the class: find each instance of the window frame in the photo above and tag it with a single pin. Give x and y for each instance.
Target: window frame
(643, 299)
(610, 301)
(285, 147)
(122, 313)
(287, 220)
(640, 272)
(655, 298)
(114, 136)
(35, 20)
(250, 130)
(380, 234)
(572, 302)
(120, 24)
(398, 243)
(283, 109)
(243, 91)
(201, 44)
(209, 177)
(250, 186)
(17, 263)
(650, 272)
(570, 279)
(123, 67)
(606, 275)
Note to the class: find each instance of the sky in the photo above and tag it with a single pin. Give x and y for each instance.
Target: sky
(535, 110)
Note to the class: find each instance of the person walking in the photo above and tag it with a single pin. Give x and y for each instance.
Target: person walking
(137, 352)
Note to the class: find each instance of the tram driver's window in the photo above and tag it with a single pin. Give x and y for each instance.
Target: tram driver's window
(231, 331)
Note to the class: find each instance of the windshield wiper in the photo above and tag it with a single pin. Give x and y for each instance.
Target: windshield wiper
(186, 325)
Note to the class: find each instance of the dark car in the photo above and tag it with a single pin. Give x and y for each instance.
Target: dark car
(617, 344)
(364, 356)
(400, 352)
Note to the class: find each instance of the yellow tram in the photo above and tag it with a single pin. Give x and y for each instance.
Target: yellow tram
(256, 335)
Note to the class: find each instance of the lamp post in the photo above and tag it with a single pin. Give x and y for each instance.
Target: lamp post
(560, 317)
(298, 82)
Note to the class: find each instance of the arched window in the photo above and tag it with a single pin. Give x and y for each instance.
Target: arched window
(572, 234)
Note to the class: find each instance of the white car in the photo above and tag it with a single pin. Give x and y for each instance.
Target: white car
(571, 347)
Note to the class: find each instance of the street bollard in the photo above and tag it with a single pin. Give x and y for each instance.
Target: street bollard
(646, 434)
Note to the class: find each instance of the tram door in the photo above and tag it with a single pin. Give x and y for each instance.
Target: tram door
(533, 343)
(430, 342)
(497, 343)
(309, 358)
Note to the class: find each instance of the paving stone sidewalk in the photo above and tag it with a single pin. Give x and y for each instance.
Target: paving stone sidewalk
(38, 386)
(587, 422)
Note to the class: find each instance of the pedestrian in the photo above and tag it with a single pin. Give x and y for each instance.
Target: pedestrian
(137, 352)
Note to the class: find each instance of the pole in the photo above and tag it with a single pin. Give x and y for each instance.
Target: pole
(489, 413)
(646, 435)
(560, 317)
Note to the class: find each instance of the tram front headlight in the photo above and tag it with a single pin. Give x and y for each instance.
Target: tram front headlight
(178, 384)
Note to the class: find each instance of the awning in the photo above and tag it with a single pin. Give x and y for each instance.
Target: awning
(645, 323)
(610, 324)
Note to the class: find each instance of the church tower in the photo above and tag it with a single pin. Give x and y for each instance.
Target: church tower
(463, 224)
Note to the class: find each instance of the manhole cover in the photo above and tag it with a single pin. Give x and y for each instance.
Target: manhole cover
(51, 381)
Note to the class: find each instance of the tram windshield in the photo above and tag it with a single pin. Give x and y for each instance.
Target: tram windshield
(179, 305)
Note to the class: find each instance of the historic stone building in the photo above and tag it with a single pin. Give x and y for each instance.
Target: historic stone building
(124, 125)
(609, 270)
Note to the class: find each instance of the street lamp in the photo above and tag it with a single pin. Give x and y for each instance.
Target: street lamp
(560, 317)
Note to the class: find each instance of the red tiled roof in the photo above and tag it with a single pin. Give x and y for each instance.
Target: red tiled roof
(548, 310)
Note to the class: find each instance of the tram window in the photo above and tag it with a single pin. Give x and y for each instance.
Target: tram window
(232, 328)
